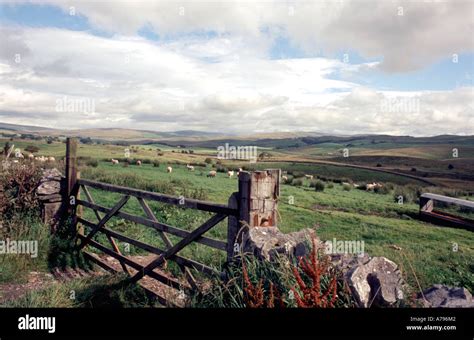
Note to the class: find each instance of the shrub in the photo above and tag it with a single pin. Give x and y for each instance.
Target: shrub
(208, 160)
(298, 173)
(409, 193)
(311, 281)
(319, 186)
(156, 164)
(297, 182)
(93, 163)
(18, 184)
(331, 185)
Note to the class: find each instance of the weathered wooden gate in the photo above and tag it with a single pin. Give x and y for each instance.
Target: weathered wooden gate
(254, 204)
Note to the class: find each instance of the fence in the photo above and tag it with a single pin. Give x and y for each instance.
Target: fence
(430, 214)
(255, 204)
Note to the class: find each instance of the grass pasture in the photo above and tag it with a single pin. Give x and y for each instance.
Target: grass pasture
(427, 253)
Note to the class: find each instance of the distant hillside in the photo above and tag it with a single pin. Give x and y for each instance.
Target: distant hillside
(23, 128)
(192, 138)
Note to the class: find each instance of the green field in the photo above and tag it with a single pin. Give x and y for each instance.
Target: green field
(335, 213)
(429, 254)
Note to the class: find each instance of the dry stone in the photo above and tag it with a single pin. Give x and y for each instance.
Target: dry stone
(49, 194)
(441, 296)
(376, 283)
(266, 243)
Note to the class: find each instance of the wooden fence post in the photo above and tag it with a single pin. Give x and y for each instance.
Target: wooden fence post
(71, 165)
(257, 202)
(72, 175)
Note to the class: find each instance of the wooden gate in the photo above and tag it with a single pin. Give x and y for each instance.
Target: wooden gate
(257, 196)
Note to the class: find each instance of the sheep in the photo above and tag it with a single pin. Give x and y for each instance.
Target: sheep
(41, 159)
(372, 186)
(285, 178)
(239, 171)
(190, 167)
(230, 173)
(309, 176)
(169, 169)
(139, 162)
(115, 161)
(31, 156)
(20, 155)
(51, 159)
(212, 173)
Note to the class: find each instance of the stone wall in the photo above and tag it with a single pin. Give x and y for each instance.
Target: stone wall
(49, 193)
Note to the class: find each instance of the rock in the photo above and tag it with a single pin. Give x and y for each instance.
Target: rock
(376, 283)
(51, 174)
(49, 195)
(441, 296)
(348, 262)
(266, 243)
(49, 188)
(50, 182)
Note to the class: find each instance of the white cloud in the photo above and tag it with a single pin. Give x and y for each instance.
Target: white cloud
(426, 31)
(227, 82)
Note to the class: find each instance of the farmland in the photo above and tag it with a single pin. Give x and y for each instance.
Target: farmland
(424, 251)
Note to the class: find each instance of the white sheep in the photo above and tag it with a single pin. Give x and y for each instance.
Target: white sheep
(51, 159)
(169, 169)
(212, 173)
(139, 162)
(31, 156)
(309, 176)
(285, 178)
(190, 167)
(230, 173)
(115, 161)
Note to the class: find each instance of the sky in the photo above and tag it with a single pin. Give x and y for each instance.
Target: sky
(246, 67)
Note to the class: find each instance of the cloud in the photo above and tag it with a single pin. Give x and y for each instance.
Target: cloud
(405, 35)
(222, 83)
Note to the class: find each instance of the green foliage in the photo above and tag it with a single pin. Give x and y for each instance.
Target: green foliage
(93, 163)
(319, 186)
(297, 182)
(23, 226)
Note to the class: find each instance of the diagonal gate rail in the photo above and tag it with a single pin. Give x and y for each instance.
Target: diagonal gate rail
(170, 253)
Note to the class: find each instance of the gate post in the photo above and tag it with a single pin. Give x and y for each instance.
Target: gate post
(71, 165)
(257, 202)
(72, 175)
